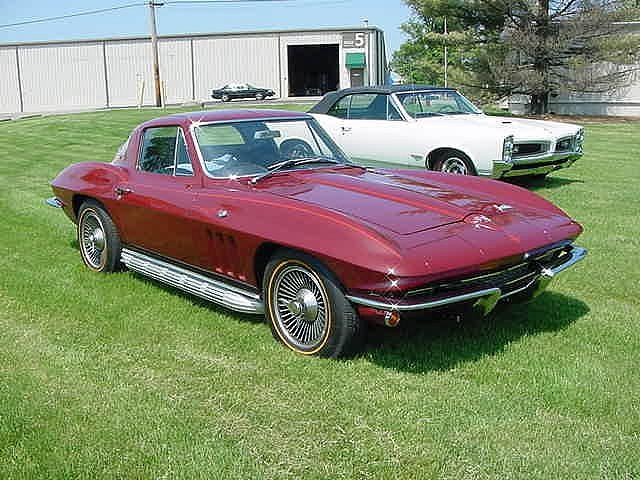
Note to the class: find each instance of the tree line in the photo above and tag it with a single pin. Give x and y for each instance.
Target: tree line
(539, 48)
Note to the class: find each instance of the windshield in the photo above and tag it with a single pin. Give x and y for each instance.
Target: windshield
(252, 148)
(435, 103)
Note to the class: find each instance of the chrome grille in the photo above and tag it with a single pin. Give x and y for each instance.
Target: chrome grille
(564, 144)
(506, 279)
(529, 149)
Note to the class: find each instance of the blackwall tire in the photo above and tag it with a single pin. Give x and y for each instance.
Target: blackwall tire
(306, 308)
(225, 98)
(98, 238)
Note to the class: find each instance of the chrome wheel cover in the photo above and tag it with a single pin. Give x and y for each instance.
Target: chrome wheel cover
(454, 165)
(299, 303)
(93, 240)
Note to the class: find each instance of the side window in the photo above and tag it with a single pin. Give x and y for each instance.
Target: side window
(341, 108)
(161, 147)
(392, 111)
(368, 106)
(183, 162)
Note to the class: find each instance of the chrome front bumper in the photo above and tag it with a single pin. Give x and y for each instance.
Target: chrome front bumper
(485, 299)
(535, 165)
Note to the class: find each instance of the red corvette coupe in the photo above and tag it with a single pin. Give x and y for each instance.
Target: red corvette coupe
(260, 211)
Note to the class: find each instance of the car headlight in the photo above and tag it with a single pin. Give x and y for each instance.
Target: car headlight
(579, 140)
(507, 149)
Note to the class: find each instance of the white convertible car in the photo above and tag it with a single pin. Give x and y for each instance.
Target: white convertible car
(439, 129)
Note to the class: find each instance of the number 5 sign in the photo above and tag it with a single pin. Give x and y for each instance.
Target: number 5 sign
(354, 40)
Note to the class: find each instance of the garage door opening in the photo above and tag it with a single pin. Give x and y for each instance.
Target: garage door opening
(313, 69)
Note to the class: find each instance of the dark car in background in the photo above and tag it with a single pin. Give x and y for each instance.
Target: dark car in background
(241, 90)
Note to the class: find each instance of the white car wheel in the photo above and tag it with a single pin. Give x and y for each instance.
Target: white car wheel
(455, 164)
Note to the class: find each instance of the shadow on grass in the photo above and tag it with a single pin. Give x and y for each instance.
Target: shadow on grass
(544, 182)
(437, 343)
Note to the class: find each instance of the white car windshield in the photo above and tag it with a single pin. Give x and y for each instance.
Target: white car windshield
(255, 147)
(435, 103)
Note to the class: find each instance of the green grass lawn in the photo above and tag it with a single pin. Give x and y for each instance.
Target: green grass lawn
(115, 376)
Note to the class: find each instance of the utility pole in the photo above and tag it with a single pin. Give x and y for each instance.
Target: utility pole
(446, 58)
(154, 47)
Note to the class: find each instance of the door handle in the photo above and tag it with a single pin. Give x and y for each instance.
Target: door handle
(120, 191)
(346, 129)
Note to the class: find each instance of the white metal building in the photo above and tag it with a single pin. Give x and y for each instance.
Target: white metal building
(84, 74)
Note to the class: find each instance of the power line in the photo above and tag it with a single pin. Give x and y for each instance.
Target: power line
(71, 15)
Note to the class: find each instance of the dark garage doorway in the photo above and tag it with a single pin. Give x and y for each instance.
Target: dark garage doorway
(313, 69)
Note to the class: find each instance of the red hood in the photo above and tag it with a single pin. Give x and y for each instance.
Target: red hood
(399, 202)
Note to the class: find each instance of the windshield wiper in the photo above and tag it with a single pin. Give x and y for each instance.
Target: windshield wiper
(293, 162)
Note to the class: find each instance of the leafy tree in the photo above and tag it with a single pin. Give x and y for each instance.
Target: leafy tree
(532, 47)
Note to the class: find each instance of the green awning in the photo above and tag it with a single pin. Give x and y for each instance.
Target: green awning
(356, 60)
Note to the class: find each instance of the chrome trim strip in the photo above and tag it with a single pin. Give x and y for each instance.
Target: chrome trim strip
(425, 305)
(189, 281)
(541, 280)
(546, 157)
(54, 202)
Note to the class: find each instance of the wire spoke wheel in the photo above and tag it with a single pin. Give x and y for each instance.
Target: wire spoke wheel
(93, 240)
(300, 304)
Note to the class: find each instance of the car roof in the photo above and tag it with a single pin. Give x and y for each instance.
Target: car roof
(230, 115)
(332, 97)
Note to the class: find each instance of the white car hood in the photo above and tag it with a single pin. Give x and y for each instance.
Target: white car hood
(521, 129)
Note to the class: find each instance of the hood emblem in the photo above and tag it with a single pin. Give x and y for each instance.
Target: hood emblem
(503, 208)
(479, 221)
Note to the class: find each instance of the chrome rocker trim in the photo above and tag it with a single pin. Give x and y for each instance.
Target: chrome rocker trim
(486, 299)
(189, 281)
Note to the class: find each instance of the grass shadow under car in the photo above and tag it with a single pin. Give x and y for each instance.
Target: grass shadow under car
(441, 343)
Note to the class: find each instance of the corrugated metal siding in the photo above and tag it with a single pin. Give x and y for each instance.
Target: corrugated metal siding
(109, 72)
(62, 76)
(9, 89)
(175, 69)
(128, 64)
(219, 61)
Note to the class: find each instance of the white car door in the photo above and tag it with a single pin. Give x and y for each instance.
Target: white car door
(368, 127)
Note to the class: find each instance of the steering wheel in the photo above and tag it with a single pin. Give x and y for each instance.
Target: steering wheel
(294, 148)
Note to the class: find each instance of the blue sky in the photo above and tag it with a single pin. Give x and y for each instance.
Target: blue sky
(386, 14)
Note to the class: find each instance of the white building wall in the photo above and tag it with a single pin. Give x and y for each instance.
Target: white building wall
(9, 88)
(128, 65)
(66, 76)
(623, 102)
(235, 59)
(110, 73)
(175, 69)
